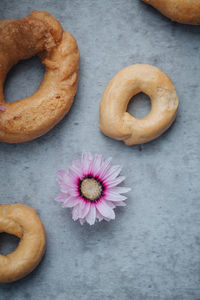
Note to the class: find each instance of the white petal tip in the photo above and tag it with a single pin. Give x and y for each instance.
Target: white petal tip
(91, 223)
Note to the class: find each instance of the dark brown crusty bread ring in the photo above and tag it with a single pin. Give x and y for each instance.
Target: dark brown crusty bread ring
(21, 220)
(182, 11)
(37, 34)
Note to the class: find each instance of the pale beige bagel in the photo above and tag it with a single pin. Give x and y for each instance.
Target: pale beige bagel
(22, 221)
(40, 34)
(182, 11)
(118, 124)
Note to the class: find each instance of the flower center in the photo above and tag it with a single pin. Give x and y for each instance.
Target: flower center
(91, 189)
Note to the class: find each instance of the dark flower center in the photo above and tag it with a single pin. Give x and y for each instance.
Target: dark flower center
(91, 188)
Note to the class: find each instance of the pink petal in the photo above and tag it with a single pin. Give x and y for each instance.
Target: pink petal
(75, 213)
(110, 204)
(82, 204)
(64, 188)
(73, 172)
(71, 202)
(62, 175)
(99, 216)
(120, 189)
(104, 168)
(73, 191)
(91, 216)
(114, 197)
(85, 210)
(96, 164)
(114, 182)
(65, 180)
(76, 168)
(112, 173)
(105, 210)
(62, 197)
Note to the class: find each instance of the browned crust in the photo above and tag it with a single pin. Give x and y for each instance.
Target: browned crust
(118, 124)
(182, 11)
(41, 34)
(21, 220)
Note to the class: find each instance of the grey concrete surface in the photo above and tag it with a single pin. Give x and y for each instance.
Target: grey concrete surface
(152, 250)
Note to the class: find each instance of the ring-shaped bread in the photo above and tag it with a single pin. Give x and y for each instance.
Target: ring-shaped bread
(182, 11)
(22, 221)
(118, 124)
(37, 34)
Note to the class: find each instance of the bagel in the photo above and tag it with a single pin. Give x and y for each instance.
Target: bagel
(37, 34)
(22, 221)
(118, 124)
(182, 11)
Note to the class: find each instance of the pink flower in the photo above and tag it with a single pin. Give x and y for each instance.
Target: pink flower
(90, 188)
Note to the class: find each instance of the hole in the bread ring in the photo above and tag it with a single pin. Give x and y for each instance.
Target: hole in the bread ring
(8, 243)
(139, 106)
(23, 79)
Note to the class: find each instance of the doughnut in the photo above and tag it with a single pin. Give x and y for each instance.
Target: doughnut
(118, 124)
(37, 34)
(22, 221)
(182, 11)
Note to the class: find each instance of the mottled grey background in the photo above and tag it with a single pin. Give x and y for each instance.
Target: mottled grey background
(152, 250)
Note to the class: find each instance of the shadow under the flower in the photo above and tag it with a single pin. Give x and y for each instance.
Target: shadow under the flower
(98, 231)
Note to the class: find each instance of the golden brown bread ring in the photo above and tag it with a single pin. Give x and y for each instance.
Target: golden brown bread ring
(22, 221)
(182, 11)
(40, 34)
(118, 124)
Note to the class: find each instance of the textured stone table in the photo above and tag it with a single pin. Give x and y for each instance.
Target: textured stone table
(152, 250)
